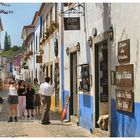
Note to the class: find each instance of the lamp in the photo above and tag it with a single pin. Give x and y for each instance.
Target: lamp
(110, 33)
(90, 41)
(41, 51)
(78, 47)
(67, 51)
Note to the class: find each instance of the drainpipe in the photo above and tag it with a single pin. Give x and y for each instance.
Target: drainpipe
(34, 54)
(62, 54)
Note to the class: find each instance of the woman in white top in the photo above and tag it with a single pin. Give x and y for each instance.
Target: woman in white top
(13, 101)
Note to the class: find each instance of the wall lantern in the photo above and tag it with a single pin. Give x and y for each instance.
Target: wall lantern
(111, 33)
(90, 41)
(94, 32)
(67, 51)
(41, 51)
(78, 47)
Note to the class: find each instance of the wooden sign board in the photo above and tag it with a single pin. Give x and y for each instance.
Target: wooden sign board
(124, 76)
(103, 97)
(124, 100)
(72, 23)
(39, 59)
(124, 51)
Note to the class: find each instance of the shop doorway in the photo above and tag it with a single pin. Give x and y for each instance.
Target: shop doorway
(56, 85)
(73, 84)
(101, 85)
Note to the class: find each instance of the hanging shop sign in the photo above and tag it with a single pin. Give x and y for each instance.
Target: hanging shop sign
(124, 76)
(72, 23)
(124, 51)
(124, 100)
(39, 59)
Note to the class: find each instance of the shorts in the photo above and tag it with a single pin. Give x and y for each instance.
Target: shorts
(37, 100)
(13, 99)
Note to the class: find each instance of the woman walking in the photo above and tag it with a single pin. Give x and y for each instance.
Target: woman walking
(21, 98)
(13, 101)
(37, 101)
(30, 100)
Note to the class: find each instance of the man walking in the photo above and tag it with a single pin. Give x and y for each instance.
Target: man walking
(46, 91)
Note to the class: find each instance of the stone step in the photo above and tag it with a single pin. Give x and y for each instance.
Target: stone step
(101, 133)
(74, 119)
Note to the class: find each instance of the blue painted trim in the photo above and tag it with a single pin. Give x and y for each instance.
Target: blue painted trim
(40, 26)
(86, 111)
(125, 124)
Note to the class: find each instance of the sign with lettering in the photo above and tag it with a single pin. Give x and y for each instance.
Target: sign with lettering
(124, 76)
(124, 100)
(72, 23)
(104, 97)
(124, 51)
(39, 59)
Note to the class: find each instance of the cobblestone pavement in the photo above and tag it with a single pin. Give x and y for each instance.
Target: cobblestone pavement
(32, 127)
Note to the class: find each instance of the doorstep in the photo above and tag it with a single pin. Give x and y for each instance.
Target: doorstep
(74, 119)
(101, 133)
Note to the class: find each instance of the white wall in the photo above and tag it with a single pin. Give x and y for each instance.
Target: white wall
(37, 33)
(126, 23)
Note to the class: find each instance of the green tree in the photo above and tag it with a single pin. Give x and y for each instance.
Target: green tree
(9, 41)
(6, 42)
(15, 48)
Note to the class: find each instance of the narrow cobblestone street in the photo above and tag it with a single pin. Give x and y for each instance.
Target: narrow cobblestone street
(32, 127)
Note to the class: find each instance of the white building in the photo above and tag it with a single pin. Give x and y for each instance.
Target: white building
(28, 57)
(96, 41)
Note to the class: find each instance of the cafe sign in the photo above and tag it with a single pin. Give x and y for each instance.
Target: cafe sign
(71, 23)
(124, 51)
(124, 100)
(124, 76)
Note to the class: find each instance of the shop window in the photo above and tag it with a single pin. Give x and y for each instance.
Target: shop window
(51, 74)
(84, 84)
(46, 71)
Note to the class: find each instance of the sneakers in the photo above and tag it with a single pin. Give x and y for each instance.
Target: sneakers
(45, 123)
(10, 119)
(15, 119)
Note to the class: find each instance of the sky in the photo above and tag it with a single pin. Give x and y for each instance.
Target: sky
(13, 23)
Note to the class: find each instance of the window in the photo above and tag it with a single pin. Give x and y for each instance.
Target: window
(36, 72)
(46, 71)
(51, 74)
(56, 12)
(43, 27)
(51, 15)
(47, 21)
(36, 42)
(32, 46)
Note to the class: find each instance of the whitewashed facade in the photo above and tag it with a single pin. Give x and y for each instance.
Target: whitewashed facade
(105, 24)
